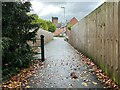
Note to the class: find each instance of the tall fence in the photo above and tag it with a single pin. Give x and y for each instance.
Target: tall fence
(98, 36)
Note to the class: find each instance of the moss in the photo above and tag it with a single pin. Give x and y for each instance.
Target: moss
(113, 76)
(119, 81)
(116, 79)
(104, 68)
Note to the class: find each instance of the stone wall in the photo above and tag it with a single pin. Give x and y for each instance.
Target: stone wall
(48, 36)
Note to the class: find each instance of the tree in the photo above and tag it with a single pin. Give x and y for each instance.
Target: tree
(17, 30)
(69, 27)
(51, 26)
(41, 23)
(46, 25)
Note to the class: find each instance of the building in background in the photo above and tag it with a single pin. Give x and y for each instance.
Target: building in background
(55, 21)
(58, 32)
(71, 22)
(62, 30)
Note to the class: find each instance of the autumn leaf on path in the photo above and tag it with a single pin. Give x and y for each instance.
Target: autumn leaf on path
(73, 75)
(27, 87)
(84, 84)
(20, 80)
(101, 76)
(94, 83)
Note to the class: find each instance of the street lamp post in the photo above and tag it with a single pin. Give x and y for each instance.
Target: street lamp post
(64, 13)
(64, 18)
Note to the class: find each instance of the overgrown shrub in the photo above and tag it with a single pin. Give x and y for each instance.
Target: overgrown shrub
(44, 24)
(69, 27)
(17, 29)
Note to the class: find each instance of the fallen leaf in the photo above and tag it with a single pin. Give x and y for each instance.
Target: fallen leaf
(92, 64)
(95, 83)
(27, 87)
(84, 84)
(73, 75)
(21, 78)
(101, 76)
(71, 84)
(84, 71)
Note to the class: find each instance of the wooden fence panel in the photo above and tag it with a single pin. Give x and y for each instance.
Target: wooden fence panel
(98, 36)
(118, 43)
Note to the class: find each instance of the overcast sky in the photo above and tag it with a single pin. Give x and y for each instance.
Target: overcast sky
(73, 8)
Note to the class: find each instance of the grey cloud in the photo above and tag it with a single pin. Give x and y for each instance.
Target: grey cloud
(80, 9)
(80, 6)
(72, 9)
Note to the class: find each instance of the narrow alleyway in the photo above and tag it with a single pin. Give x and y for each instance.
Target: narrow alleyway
(61, 60)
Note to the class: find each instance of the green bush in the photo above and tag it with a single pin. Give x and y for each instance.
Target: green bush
(51, 26)
(46, 25)
(40, 22)
(16, 26)
(69, 27)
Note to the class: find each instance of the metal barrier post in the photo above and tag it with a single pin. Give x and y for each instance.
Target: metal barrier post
(42, 47)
